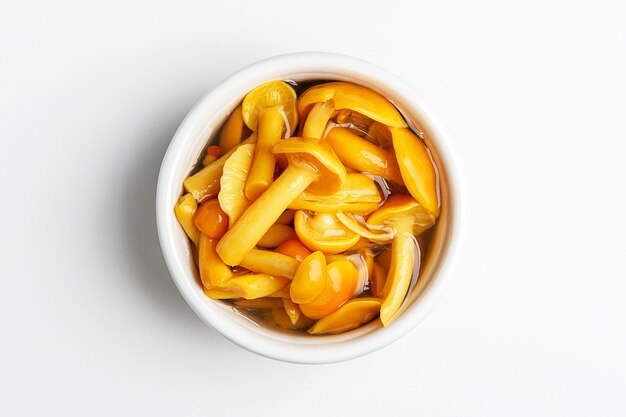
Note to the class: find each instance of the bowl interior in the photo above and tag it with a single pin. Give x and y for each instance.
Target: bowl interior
(191, 139)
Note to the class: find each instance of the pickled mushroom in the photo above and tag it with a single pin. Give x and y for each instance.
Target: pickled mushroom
(318, 103)
(417, 169)
(253, 286)
(323, 232)
(359, 194)
(184, 210)
(233, 131)
(406, 217)
(271, 263)
(205, 183)
(341, 280)
(234, 175)
(269, 109)
(349, 316)
(310, 279)
(362, 155)
(312, 165)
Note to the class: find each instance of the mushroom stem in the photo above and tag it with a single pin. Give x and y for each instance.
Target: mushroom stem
(263, 213)
(213, 272)
(233, 130)
(270, 263)
(185, 209)
(205, 183)
(318, 118)
(400, 270)
(255, 285)
(261, 175)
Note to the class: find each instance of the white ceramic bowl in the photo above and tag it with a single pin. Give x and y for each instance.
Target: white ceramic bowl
(191, 138)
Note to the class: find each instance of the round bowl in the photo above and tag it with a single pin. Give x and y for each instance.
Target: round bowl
(191, 138)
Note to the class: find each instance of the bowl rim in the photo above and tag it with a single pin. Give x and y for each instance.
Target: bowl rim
(268, 346)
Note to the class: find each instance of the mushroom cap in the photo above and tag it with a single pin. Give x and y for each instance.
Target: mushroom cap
(310, 279)
(323, 232)
(236, 168)
(317, 155)
(349, 316)
(402, 205)
(341, 280)
(353, 97)
(359, 194)
(273, 94)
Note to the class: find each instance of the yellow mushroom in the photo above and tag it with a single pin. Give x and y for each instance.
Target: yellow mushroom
(185, 209)
(269, 109)
(406, 217)
(341, 280)
(293, 248)
(276, 236)
(211, 220)
(417, 168)
(363, 260)
(255, 285)
(205, 183)
(233, 131)
(235, 171)
(270, 262)
(317, 119)
(359, 194)
(362, 155)
(309, 280)
(349, 316)
(292, 309)
(312, 165)
(319, 102)
(323, 232)
(213, 272)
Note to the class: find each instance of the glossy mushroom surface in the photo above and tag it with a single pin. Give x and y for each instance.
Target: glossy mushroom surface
(320, 219)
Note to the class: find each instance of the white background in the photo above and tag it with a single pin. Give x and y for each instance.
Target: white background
(534, 323)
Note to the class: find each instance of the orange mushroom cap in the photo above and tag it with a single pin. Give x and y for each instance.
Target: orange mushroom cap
(353, 97)
(316, 155)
